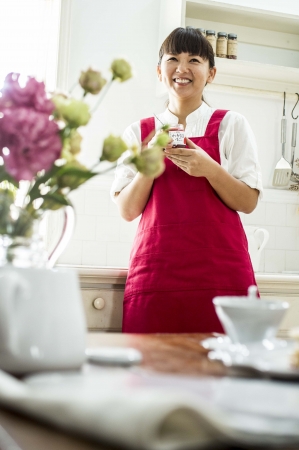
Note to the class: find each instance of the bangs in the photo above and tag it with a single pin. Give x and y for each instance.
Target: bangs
(186, 40)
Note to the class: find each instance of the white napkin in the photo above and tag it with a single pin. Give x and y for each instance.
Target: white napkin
(141, 410)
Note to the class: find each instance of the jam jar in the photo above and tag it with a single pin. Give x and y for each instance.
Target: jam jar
(177, 134)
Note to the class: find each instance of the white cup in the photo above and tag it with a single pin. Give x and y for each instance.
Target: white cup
(42, 321)
(257, 239)
(249, 319)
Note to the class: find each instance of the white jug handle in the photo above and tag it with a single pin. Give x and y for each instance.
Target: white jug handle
(265, 235)
(14, 289)
(66, 234)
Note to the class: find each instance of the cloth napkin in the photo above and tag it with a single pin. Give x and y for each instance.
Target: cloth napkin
(141, 410)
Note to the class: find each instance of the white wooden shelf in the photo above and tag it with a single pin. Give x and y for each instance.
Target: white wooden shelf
(268, 57)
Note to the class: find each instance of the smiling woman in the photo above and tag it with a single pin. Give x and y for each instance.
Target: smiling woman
(190, 245)
(29, 32)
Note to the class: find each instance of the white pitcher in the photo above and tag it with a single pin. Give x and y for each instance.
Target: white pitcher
(257, 239)
(42, 320)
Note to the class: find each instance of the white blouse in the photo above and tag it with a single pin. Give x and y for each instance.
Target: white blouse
(238, 149)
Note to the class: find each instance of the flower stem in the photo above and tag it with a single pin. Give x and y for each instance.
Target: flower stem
(102, 95)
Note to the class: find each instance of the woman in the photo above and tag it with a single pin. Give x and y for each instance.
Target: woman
(190, 245)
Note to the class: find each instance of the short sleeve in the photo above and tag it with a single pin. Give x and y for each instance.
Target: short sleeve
(238, 150)
(125, 173)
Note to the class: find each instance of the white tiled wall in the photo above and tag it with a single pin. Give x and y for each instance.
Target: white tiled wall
(103, 238)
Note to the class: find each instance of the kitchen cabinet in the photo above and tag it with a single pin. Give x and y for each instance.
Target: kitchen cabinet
(268, 42)
(102, 291)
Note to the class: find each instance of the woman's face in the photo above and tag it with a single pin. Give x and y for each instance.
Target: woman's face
(185, 75)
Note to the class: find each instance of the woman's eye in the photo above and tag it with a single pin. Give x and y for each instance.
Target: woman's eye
(195, 60)
(172, 59)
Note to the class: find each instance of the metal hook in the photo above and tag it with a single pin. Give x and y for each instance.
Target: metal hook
(295, 118)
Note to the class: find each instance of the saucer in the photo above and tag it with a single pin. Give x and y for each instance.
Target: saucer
(270, 359)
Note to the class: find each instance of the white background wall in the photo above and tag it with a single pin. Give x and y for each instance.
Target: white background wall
(102, 31)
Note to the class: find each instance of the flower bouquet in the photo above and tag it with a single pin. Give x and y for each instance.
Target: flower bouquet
(40, 143)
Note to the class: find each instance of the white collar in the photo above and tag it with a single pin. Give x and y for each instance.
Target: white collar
(169, 118)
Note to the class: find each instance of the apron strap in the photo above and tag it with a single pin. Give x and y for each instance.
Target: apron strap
(147, 126)
(214, 122)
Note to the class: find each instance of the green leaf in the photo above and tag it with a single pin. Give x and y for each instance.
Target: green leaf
(73, 177)
(55, 201)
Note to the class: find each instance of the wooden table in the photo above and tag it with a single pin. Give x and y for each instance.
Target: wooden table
(167, 353)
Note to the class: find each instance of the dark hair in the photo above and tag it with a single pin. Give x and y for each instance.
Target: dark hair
(187, 40)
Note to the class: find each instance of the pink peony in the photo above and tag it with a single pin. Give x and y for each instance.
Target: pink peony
(32, 139)
(33, 94)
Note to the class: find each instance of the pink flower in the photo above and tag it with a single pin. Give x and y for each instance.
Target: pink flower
(33, 94)
(32, 140)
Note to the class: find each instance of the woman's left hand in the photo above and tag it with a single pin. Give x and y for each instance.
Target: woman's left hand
(193, 160)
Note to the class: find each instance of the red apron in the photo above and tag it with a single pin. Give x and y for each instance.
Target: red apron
(189, 248)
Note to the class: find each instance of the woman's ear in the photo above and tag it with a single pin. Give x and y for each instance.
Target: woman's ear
(159, 72)
(212, 73)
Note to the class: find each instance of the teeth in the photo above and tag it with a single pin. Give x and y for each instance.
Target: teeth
(182, 80)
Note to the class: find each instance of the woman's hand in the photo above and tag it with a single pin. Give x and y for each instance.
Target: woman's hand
(193, 160)
(196, 162)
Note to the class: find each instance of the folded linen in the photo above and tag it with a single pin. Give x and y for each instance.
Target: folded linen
(140, 410)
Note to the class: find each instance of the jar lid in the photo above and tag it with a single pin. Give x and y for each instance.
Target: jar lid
(222, 34)
(202, 30)
(189, 27)
(210, 32)
(232, 35)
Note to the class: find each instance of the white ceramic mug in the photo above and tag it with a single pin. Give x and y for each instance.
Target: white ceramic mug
(249, 319)
(42, 320)
(257, 239)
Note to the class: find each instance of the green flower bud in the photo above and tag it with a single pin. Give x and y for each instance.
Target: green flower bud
(121, 70)
(150, 162)
(92, 81)
(162, 139)
(71, 179)
(71, 145)
(74, 112)
(113, 148)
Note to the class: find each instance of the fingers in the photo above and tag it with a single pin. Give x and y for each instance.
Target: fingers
(179, 151)
(178, 158)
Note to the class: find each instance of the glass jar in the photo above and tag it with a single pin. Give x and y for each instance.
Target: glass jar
(177, 134)
(211, 37)
(202, 31)
(221, 45)
(232, 46)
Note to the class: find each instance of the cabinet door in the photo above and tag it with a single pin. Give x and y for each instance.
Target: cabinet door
(291, 318)
(103, 309)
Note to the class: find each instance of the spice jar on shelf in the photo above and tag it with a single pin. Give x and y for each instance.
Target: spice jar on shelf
(221, 45)
(211, 37)
(202, 31)
(232, 46)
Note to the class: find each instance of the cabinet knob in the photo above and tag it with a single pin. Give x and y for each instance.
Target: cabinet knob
(99, 303)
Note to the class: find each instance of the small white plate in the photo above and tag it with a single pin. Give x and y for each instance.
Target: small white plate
(273, 361)
(119, 356)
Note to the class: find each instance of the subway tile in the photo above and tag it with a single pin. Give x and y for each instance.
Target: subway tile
(293, 215)
(107, 229)
(276, 214)
(118, 254)
(72, 254)
(113, 209)
(128, 230)
(77, 197)
(261, 267)
(257, 217)
(94, 253)
(85, 228)
(96, 202)
(286, 238)
(292, 260)
(274, 260)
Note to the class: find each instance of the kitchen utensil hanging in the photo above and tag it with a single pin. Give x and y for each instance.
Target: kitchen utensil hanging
(294, 176)
(283, 169)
